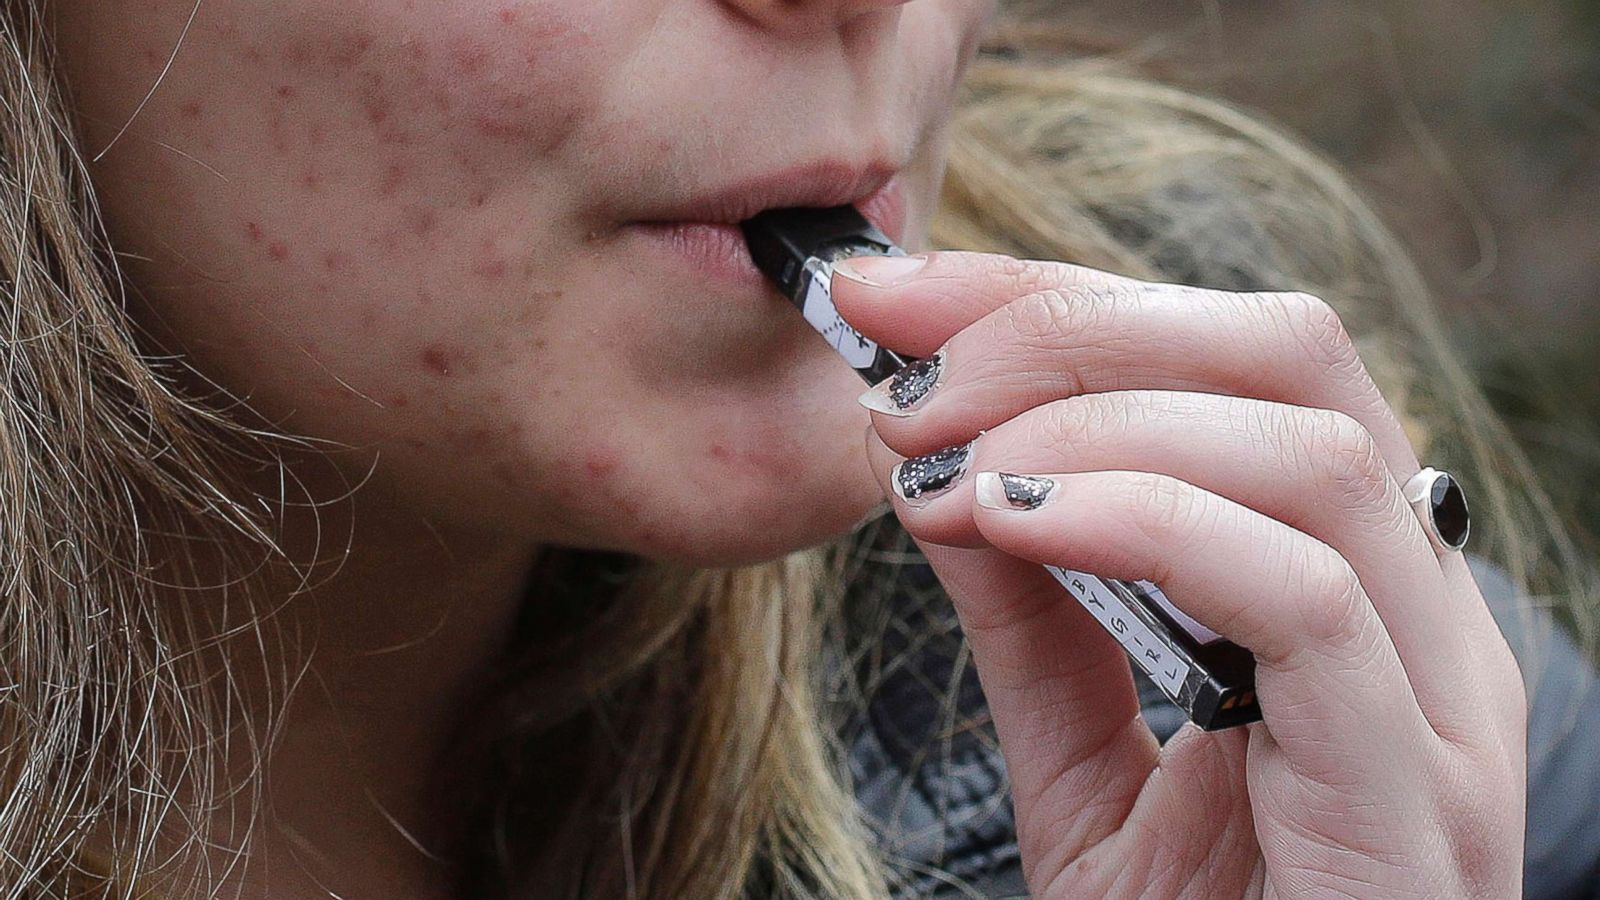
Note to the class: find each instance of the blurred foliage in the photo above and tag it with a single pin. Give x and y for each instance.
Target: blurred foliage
(1475, 125)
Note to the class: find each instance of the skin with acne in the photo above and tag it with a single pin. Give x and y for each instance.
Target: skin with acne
(399, 226)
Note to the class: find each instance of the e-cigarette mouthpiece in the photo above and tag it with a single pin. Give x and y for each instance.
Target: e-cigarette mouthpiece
(797, 247)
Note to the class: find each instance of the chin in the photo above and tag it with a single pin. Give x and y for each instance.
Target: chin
(748, 521)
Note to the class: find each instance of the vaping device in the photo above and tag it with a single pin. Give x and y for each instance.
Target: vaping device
(1210, 678)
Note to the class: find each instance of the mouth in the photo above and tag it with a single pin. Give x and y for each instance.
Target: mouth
(704, 231)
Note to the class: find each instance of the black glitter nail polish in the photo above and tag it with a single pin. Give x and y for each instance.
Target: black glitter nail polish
(922, 476)
(1025, 491)
(915, 380)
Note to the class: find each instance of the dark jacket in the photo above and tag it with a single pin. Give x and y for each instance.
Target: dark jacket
(943, 811)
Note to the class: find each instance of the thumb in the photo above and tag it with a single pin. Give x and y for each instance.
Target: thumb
(913, 304)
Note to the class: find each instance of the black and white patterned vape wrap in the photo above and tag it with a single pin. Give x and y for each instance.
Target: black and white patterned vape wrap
(817, 307)
(1152, 652)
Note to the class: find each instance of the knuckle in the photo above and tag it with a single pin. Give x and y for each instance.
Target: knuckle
(1083, 419)
(1044, 316)
(1318, 328)
(1333, 606)
(1171, 512)
(1068, 423)
(1022, 276)
(1346, 458)
(1054, 317)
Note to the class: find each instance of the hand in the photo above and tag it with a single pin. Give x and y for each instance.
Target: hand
(1233, 449)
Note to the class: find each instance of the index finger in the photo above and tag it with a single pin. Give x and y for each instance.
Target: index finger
(1108, 332)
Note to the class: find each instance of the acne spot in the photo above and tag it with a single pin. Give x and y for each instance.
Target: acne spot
(253, 231)
(423, 221)
(492, 269)
(285, 92)
(760, 453)
(393, 176)
(479, 198)
(311, 181)
(600, 462)
(348, 49)
(335, 260)
(439, 360)
(489, 263)
(278, 250)
(376, 108)
(399, 400)
(467, 56)
(190, 110)
(508, 15)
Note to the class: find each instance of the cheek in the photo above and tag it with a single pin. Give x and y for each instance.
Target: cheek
(365, 187)
(487, 81)
(356, 214)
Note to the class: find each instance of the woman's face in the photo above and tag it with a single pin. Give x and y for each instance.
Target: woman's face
(415, 227)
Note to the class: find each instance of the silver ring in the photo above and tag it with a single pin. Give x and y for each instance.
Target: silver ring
(1441, 505)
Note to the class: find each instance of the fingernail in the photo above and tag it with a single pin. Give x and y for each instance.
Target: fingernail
(902, 393)
(1003, 490)
(920, 479)
(879, 271)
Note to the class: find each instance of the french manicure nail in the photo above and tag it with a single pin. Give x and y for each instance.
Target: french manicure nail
(902, 393)
(879, 271)
(1003, 490)
(921, 478)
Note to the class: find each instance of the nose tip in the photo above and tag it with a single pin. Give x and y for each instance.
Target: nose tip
(799, 16)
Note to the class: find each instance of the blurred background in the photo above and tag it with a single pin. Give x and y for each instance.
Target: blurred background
(1475, 127)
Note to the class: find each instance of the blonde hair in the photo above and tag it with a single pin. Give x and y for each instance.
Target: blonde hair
(663, 732)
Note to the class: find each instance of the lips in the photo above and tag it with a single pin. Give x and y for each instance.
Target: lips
(714, 245)
(828, 182)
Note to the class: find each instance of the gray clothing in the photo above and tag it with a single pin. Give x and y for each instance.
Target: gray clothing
(942, 807)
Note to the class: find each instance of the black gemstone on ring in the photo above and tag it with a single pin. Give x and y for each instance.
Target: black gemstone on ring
(915, 380)
(1447, 503)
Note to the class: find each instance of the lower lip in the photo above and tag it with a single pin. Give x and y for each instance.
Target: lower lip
(717, 249)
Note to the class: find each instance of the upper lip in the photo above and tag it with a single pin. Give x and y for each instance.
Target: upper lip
(826, 182)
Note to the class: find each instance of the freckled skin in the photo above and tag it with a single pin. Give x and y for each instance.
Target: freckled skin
(430, 194)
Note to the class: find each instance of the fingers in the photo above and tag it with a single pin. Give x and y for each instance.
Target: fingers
(1315, 470)
(1326, 670)
(1004, 335)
